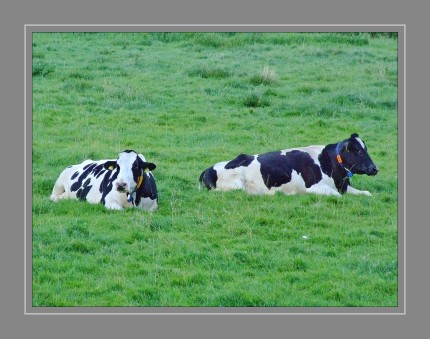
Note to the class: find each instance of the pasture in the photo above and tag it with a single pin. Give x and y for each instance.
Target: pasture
(187, 101)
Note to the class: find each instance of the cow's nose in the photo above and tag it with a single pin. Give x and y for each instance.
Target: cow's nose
(374, 170)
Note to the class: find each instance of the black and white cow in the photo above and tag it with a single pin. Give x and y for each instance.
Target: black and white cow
(315, 169)
(117, 184)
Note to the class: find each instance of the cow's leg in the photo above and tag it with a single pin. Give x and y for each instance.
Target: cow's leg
(353, 190)
(112, 201)
(323, 190)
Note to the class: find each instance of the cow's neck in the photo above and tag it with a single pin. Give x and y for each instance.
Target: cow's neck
(331, 167)
(141, 189)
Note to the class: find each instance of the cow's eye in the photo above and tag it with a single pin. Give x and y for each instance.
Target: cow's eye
(360, 152)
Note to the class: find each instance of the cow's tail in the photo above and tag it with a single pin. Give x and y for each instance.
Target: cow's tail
(201, 180)
(208, 178)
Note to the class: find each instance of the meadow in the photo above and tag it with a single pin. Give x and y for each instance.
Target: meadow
(187, 101)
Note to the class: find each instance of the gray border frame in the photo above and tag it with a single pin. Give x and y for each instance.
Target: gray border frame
(399, 310)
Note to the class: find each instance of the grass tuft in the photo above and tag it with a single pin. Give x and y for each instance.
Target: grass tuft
(41, 68)
(267, 77)
(256, 99)
(207, 72)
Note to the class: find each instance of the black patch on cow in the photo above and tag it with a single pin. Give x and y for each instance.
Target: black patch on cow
(84, 189)
(209, 178)
(87, 169)
(74, 175)
(242, 160)
(98, 170)
(106, 184)
(147, 190)
(137, 169)
(92, 165)
(276, 168)
(325, 160)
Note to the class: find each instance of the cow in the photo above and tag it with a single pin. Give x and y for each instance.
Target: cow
(325, 170)
(117, 184)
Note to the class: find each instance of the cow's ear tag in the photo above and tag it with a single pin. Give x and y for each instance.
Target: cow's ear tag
(110, 168)
(147, 170)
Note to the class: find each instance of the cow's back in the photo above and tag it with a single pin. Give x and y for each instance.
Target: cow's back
(87, 181)
(289, 171)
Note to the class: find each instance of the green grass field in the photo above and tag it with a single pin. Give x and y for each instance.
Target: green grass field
(187, 101)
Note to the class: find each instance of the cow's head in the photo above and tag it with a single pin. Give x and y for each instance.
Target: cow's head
(131, 167)
(354, 157)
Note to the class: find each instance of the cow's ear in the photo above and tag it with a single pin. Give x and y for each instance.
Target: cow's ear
(150, 166)
(351, 145)
(344, 146)
(147, 166)
(110, 165)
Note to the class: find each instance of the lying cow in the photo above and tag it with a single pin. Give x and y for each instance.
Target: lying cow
(117, 184)
(314, 169)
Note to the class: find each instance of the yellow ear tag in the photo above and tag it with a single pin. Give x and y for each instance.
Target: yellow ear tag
(139, 181)
(110, 168)
(147, 170)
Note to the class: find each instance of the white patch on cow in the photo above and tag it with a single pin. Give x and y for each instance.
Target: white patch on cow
(116, 204)
(125, 176)
(294, 186)
(253, 181)
(323, 189)
(360, 142)
(313, 151)
(229, 179)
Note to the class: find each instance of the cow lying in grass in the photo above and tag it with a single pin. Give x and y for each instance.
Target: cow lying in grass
(117, 184)
(314, 169)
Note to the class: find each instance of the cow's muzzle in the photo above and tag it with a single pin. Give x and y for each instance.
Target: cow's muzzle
(372, 170)
(121, 187)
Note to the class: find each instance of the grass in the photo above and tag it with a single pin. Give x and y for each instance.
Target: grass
(187, 101)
